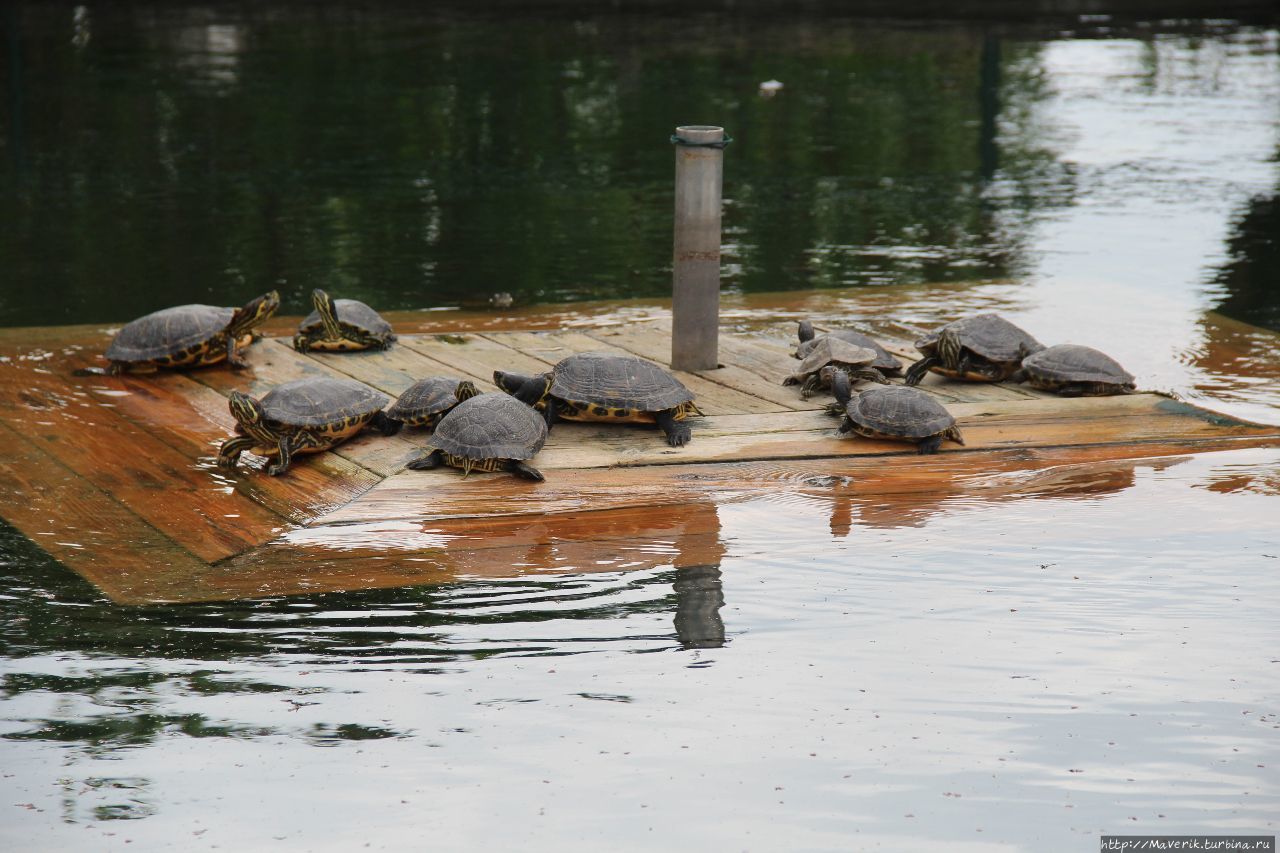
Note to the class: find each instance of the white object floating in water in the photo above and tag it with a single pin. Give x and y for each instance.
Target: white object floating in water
(769, 88)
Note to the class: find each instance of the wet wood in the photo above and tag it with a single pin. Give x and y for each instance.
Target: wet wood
(114, 476)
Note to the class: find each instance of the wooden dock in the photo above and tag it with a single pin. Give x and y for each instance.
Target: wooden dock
(115, 476)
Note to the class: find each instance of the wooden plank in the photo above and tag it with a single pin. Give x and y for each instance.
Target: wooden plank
(182, 495)
(83, 527)
(713, 398)
(474, 355)
(940, 476)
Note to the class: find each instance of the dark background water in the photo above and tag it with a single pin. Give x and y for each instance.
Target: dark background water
(152, 155)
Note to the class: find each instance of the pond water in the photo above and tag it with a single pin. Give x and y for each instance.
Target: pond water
(1024, 673)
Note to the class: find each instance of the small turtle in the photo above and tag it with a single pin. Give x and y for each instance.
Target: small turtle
(186, 336)
(303, 416)
(341, 325)
(1075, 371)
(983, 348)
(885, 361)
(828, 351)
(426, 401)
(897, 413)
(488, 432)
(600, 386)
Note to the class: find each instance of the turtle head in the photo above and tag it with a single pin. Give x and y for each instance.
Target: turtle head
(805, 331)
(246, 410)
(530, 390)
(466, 390)
(328, 311)
(839, 382)
(256, 312)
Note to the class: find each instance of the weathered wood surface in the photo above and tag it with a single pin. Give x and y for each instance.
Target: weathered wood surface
(114, 476)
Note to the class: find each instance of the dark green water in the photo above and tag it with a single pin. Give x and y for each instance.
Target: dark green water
(158, 154)
(1094, 656)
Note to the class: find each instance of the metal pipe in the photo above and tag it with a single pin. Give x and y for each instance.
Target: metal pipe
(696, 263)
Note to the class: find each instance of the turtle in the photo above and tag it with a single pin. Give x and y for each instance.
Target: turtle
(885, 361)
(1075, 371)
(426, 401)
(836, 353)
(896, 413)
(487, 432)
(601, 386)
(304, 416)
(186, 336)
(341, 325)
(982, 348)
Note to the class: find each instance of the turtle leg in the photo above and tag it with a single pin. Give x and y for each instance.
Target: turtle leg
(284, 448)
(434, 459)
(1075, 389)
(846, 427)
(929, 445)
(524, 471)
(231, 449)
(1018, 376)
(870, 374)
(301, 342)
(551, 412)
(917, 371)
(810, 386)
(233, 359)
(678, 432)
(384, 424)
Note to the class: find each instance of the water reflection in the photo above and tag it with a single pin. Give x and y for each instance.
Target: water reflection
(1247, 282)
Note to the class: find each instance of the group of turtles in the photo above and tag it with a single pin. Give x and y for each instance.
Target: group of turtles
(501, 431)
(981, 348)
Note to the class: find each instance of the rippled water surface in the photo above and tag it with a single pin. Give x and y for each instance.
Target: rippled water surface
(1023, 666)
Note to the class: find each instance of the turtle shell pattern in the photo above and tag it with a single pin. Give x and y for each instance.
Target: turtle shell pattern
(172, 332)
(615, 385)
(353, 312)
(425, 398)
(828, 350)
(335, 407)
(989, 335)
(899, 412)
(490, 426)
(1074, 363)
(885, 360)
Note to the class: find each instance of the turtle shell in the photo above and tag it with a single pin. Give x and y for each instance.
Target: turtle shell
(320, 402)
(1075, 363)
(490, 426)
(989, 335)
(424, 398)
(617, 382)
(168, 332)
(352, 312)
(899, 411)
(829, 350)
(884, 359)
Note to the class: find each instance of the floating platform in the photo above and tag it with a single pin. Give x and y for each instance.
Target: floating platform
(115, 476)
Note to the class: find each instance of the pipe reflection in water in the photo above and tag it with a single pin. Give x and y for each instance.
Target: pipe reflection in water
(699, 597)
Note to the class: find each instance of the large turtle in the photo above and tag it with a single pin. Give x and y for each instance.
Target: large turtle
(426, 401)
(885, 361)
(186, 336)
(488, 432)
(341, 325)
(897, 413)
(1075, 371)
(983, 348)
(600, 386)
(303, 416)
(836, 353)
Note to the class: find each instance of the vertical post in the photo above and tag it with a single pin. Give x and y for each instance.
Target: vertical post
(696, 263)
